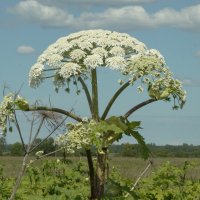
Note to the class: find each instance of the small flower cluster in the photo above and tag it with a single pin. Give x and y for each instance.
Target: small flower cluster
(7, 108)
(6, 112)
(162, 88)
(80, 135)
(38, 154)
(35, 74)
(156, 76)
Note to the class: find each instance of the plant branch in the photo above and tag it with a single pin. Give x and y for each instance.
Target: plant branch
(46, 77)
(95, 107)
(138, 179)
(58, 110)
(140, 105)
(38, 131)
(47, 136)
(87, 93)
(19, 177)
(52, 69)
(20, 133)
(31, 133)
(112, 100)
(48, 154)
(91, 173)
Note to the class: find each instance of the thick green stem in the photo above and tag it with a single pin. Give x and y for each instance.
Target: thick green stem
(101, 172)
(95, 106)
(112, 100)
(91, 174)
(140, 105)
(87, 93)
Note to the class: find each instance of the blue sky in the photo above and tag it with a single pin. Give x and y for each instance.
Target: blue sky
(172, 27)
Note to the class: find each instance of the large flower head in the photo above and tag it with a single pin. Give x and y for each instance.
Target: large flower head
(86, 50)
(78, 53)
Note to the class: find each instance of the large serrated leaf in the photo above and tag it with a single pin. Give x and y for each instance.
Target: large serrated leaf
(133, 124)
(104, 126)
(145, 150)
(118, 122)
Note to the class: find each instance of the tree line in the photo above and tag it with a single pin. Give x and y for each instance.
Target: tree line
(134, 150)
(125, 149)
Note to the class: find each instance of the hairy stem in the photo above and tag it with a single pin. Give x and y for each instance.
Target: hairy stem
(140, 105)
(101, 172)
(95, 108)
(112, 100)
(87, 93)
(91, 174)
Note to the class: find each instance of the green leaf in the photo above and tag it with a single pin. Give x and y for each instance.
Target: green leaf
(145, 150)
(118, 122)
(22, 104)
(165, 94)
(133, 124)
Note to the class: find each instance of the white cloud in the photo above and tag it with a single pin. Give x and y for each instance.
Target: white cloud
(25, 50)
(119, 18)
(190, 82)
(44, 15)
(95, 2)
(187, 18)
(130, 17)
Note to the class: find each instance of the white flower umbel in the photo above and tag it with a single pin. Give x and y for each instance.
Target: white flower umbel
(85, 45)
(155, 53)
(100, 51)
(35, 75)
(77, 54)
(89, 49)
(101, 48)
(70, 69)
(93, 61)
(80, 135)
(117, 51)
(116, 63)
(54, 60)
(7, 109)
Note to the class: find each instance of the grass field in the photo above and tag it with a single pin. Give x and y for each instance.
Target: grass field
(128, 167)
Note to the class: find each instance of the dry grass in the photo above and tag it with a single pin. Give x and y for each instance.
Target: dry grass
(132, 167)
(128, 167)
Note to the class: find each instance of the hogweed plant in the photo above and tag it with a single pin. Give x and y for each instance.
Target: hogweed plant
(76, 59)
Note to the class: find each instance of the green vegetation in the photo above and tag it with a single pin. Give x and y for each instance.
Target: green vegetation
(56, 179)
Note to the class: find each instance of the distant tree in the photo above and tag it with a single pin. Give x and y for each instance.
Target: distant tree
(17, 149)
(47, 146)
(130, 150)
